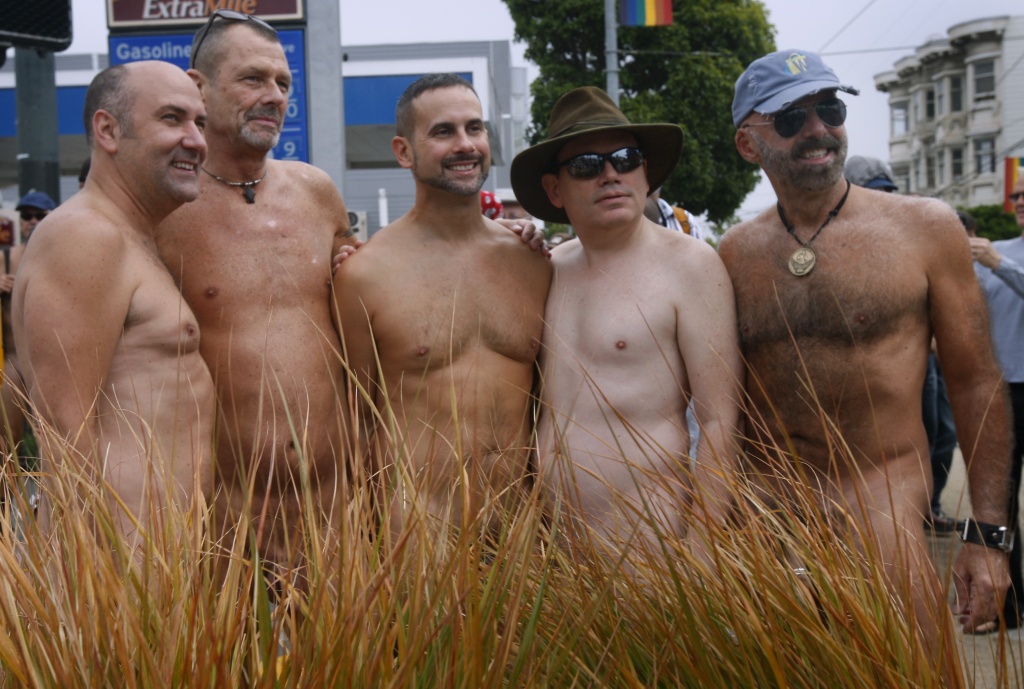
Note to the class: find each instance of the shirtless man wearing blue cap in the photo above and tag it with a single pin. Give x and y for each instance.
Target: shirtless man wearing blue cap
(839, 290)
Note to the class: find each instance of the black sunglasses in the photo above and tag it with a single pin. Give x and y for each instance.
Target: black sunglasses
(229, 15)
(789, 122)
(28, 215)
(1015, 196)
(590, 165)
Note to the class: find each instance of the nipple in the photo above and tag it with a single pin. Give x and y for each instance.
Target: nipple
(620, 345)
(422, 351)
(211, 292)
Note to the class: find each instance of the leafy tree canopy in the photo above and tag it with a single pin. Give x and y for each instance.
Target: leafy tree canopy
(683, 73)
(995, 223)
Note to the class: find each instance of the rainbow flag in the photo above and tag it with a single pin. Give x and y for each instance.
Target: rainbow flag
(1012, 174)
(645, 12)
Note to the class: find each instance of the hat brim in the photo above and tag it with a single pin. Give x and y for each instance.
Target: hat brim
(662, 145)
(786, 98)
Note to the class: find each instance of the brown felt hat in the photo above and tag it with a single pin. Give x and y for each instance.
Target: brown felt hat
(582, 111)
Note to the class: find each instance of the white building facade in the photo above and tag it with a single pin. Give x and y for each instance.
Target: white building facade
(957, 112)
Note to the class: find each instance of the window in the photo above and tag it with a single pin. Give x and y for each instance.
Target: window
(956, 156)
(899, 119)
(985, 156)
(956, 97)
(929, 104)
(984, 79)
(930, 171)
(903, 181)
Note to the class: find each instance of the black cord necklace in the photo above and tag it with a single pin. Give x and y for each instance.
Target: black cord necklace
(803, 259)
(247, 187)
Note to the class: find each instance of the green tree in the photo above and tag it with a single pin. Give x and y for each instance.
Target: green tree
(995, 223)
(683, 73)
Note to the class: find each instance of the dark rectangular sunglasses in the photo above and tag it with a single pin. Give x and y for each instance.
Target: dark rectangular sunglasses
(590, 165)
(790, 121)
(229, 15)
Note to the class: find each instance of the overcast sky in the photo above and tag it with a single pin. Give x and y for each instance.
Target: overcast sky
(858, 39)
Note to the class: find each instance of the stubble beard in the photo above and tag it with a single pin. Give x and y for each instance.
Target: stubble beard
(786, 165)
(459, 188)
(261, 140)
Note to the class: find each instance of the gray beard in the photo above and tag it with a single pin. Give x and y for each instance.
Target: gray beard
(785, 165)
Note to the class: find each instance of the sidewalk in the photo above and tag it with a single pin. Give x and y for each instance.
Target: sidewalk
(988, 656)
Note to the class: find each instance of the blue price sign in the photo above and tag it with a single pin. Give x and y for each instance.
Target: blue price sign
(175, 48)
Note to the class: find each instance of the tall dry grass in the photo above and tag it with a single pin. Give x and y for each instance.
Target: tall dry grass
(440, 606)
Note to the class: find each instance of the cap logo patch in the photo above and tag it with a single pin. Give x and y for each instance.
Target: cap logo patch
(796, 63)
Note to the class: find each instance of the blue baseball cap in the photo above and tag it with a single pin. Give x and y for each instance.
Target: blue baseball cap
(777, 80)
(36, 199)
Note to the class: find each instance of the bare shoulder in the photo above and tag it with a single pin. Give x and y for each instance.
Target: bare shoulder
(745, 236)
(79, 232)
(304, 176)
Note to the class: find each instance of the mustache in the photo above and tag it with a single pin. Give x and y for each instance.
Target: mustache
(464, 158)
(268, 111)
(828, 142)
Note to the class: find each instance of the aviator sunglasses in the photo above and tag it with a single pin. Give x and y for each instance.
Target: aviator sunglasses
(229, 15)
(789, 122)
(590, 165)
(1015, 197)
(29, 215)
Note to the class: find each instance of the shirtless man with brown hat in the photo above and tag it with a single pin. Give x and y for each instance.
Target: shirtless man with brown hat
(639, 325)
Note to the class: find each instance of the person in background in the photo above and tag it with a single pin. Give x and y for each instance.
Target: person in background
(490, 205)
(33, 207)
(1000, 269)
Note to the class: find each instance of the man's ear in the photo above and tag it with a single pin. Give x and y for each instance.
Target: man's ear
(402, 150)
(550, 183)
(106, 132)
(198, 78)
(746, 147)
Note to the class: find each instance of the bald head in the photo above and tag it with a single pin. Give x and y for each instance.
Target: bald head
(114, 90)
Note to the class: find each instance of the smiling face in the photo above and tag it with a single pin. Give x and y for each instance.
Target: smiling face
(164, 146)
(609, 199)
(248, 95)
(812, 159)
(449, 148)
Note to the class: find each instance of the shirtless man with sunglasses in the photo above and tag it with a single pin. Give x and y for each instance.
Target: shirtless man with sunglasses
(639, 325)
(839, 290)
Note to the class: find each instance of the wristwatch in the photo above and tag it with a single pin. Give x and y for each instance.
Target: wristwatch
(988, 535)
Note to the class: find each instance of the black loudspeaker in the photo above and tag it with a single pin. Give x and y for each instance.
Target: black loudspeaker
(40, 24)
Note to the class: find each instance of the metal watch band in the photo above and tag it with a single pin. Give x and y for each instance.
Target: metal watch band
(988, 535)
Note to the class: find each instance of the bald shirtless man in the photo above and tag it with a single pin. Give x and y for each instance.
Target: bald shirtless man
(442, 315)
(639, 320)
(109, 351)
(839, 291)
(252, 256)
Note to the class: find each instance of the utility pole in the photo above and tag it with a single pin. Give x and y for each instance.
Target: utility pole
(36, 111)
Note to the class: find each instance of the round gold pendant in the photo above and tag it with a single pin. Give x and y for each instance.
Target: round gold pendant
(802, 261)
